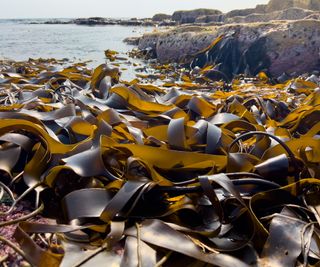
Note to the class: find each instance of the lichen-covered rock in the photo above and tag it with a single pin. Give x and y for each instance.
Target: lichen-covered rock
(190, 16)
(283, 46)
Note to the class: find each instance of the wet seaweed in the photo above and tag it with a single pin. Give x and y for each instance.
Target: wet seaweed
(168, 169)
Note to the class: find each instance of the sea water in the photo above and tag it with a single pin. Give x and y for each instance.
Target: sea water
(21, 40)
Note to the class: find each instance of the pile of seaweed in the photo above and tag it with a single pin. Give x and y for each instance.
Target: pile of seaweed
(168, 169)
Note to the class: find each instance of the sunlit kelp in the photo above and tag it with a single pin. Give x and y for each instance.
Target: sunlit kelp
(167, 169)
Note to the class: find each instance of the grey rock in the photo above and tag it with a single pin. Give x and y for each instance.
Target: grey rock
(287, 14)
(210, 18)
(190, 16)
(240, 12)
(161, 17)
(276, 5)
(132, 40)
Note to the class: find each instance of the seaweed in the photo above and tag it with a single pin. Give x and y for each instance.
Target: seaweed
(168, 169)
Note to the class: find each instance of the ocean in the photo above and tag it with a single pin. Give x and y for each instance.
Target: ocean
(20, 40)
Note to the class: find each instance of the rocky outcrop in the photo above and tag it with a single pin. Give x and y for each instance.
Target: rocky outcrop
(282, 36)
(274, 10)
(109, 21)
(276, 5)
(254, 14)
(211, 18)
(241, 12)
(190, 16)
(279, 46)
(92, 21)
(132, 40)
(288, 14)
(161, 17)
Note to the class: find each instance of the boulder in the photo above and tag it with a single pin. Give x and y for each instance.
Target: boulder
(190, 16)
(278, 46)
(161, 17)
(131, 40)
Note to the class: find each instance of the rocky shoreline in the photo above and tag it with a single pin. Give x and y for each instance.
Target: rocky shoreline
(283, 38)
(96, 21)
(285, 35)
(289, 46)
(274, 10)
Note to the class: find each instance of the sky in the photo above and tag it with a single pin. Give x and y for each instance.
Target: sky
(111, 8)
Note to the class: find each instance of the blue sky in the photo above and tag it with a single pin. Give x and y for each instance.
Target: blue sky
(111, 8)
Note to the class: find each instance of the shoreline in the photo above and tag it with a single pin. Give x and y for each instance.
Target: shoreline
(279, 46)
(283, 37)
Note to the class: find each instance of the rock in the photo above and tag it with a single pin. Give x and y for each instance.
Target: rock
(131, 22)
(241, 12)
(108, 21)
(210, 18)
(161, 17)
(149, 40)
(278, 46)
(260, 9)
(291, 14)
(93, 21)
(313, 16)
(276, 5)
(190, 16)
(54, 21)
(132, 40)
(167, 22)
(287, 14)
(173, 45)
(274, 10)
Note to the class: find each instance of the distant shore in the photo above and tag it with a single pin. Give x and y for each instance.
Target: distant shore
(274, 10)
(96, 21)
